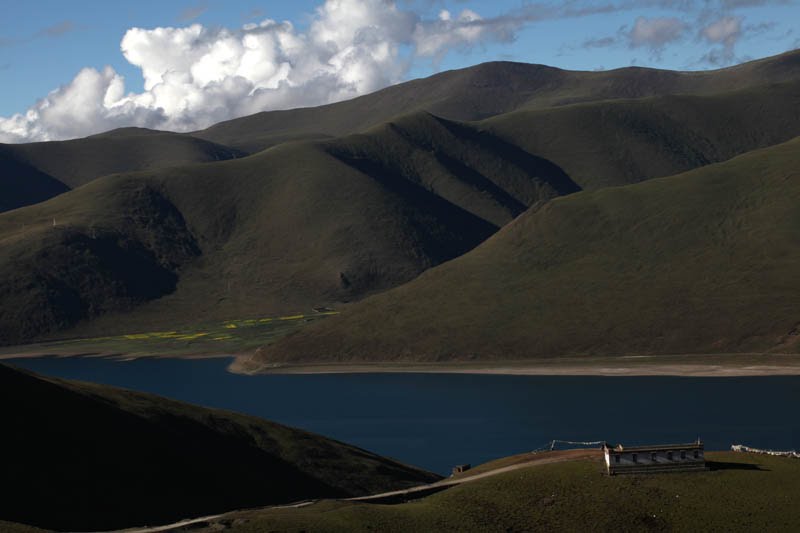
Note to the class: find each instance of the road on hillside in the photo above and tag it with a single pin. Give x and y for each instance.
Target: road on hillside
(524, 461)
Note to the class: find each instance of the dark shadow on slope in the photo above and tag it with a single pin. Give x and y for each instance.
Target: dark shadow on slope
(547, 171)
(481, 182)
(459, 169)
(443, 230)
(22, 184)
(722, 465)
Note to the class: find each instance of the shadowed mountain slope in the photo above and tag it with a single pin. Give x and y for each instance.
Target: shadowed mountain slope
(41, 170)
(85, 457)
(296, 226)
(701, 262)
(22, 184)
(491, 89)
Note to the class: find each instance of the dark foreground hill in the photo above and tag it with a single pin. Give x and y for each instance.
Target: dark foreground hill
(34, 172)
(491, 89)
(78, 456)
(702, 262)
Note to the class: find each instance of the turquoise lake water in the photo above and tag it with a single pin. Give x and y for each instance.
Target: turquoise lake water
(438, 420)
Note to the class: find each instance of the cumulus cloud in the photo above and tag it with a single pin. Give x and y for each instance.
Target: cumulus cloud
(195, 76)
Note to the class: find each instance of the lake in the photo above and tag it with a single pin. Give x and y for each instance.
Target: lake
(438, 420)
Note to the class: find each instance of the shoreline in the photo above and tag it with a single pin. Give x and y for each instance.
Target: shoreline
(714, 365)
(588, 370)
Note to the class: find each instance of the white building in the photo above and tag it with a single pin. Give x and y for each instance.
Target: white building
(651, 459)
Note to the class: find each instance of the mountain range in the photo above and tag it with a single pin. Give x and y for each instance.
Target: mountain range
(501, 211)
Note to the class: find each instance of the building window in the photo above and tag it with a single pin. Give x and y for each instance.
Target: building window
(669, 456)
(616, 459)
(683, 454)
(653, 456)
(635, 458)
(696, 454)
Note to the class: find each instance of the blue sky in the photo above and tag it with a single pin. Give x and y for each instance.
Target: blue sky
(44, 45)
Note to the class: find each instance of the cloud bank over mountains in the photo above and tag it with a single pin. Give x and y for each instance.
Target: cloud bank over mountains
(196, 76)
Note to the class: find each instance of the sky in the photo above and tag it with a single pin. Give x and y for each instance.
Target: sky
(71, 69)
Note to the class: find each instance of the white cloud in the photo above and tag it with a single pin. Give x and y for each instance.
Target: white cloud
(195, 76)
(655, 33)
(725, 32)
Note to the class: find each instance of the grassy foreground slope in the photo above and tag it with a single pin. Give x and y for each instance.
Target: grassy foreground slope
(741, 493)
(487, 90)
(80, 456)
(703, 262)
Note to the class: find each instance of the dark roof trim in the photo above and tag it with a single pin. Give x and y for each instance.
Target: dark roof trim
(657, 448)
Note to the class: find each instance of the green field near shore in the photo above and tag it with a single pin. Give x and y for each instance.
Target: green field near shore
(227, 337)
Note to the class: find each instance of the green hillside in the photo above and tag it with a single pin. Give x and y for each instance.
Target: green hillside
(34, 172)
(79, 456)
(742, 492)
(323, 223)
(298, 226)
(702, 262)
(487, 90)
(619, 142)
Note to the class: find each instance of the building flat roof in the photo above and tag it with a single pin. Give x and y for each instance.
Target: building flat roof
(657, 447)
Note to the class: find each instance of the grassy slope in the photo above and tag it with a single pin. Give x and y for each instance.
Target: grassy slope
(56, 166)
(296, 226)
(80, 456)
(742, 493)
(619, 142)
(373, 209)
(469, 94)
(487, 90)
(701, 262)
(116, 244)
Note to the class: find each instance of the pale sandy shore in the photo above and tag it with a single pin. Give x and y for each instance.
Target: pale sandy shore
(712, 365)
(738, 365)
